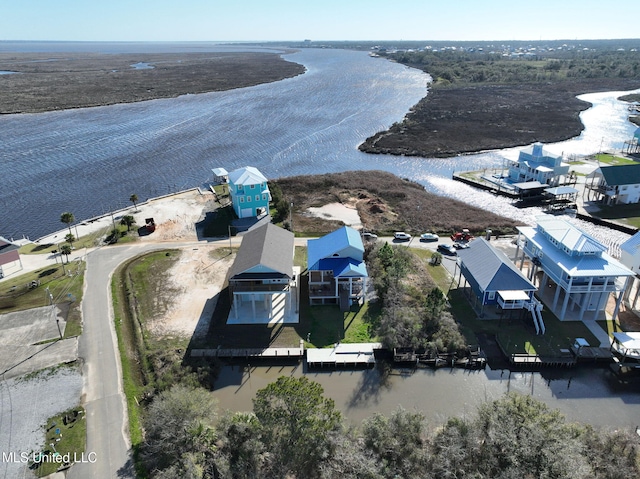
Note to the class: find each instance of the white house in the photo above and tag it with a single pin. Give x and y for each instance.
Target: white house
(614, 184)
(536, 164)
(574, 274)
(249, 192)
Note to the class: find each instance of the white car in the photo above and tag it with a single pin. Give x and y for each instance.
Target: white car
(401, 236)
(369, 236)
(429, 237)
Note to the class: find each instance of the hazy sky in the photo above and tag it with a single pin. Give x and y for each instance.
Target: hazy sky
(273, 20)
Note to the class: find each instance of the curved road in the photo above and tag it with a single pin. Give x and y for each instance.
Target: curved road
(103, 397)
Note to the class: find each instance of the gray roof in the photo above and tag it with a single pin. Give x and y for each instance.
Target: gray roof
(265, 250)
(492, 269)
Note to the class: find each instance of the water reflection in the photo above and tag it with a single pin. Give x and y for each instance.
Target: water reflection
(591, 395)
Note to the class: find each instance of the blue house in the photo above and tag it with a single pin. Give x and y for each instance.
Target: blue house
(249, 192)
(494, 283)
(337, 272)
(574, 273)
(536, 164)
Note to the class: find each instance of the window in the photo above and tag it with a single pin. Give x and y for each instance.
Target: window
(492, 295)
(248, 199)
(242, 199)
(264, 197)
(253, 187)
(257, 197)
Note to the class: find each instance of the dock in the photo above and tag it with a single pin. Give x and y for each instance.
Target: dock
(343, 355)
(536, 361)
(250, 353)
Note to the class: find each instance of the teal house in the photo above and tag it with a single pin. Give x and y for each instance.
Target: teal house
(249, 192)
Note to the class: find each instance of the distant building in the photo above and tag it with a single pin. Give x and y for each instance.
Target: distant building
(249, 192)
(337, 272)
(614, 184)
(9, 257)
(536, 164)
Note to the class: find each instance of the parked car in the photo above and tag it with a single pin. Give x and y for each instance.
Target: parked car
(369, 236)
(401, 236)
(429, 237)
(446, 249)
(460, 245)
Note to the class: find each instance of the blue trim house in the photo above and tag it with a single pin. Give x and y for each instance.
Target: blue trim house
(249, 192)
(536, 164)
(574, 273)
(337, 272)
(495, 284)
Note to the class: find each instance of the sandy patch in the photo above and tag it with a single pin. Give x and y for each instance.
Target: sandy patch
(195, 280)
(339, 212)
(175, 216)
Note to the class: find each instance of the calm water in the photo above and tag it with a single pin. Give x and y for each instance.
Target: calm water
(89, 161)
(585, 395)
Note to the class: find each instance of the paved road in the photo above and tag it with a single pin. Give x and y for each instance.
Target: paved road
(107, 423)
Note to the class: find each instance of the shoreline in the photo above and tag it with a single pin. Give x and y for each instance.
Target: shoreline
(457, 121)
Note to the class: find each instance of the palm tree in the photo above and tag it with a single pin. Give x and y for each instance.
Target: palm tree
(65, 249)
(134, 199)
(70, 239)
(67, 218)
(128, 221)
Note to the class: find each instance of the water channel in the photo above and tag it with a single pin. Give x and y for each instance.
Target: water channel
(90, 161)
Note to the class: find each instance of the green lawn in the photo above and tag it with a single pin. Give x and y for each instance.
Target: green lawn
(65, 438)
(629, 214)
(31, 290)
(613, 160)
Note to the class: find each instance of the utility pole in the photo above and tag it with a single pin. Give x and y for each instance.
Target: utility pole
(291, 216)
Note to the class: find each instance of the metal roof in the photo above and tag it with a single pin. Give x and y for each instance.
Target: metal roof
(341, 243)
(621, 174)
(492, 269)
(266, 249)
(561, 190)
(632, 244)
(248, 175)
(569, 236)
(575, 266)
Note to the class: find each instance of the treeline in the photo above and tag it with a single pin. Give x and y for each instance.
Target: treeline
(413, 307)
(295, 432)
(460, 68)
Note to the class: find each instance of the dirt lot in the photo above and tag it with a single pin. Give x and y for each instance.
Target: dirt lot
(48, 81)
(195, 281)
(450, 121)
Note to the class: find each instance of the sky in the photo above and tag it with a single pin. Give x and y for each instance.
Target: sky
(296, 20)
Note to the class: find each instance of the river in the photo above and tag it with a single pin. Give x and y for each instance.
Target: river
(89, 161)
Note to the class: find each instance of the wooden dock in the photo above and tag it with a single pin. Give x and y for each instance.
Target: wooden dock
(535, 361)
(343, 355)
(250, 353)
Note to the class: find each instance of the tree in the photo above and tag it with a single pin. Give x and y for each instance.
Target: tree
(65, 250)
(297, 421)
(134, 199)
(240, 452)
(70, 239)
(128, 221)
(67, 218)
(398, 442)
(179, 430)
